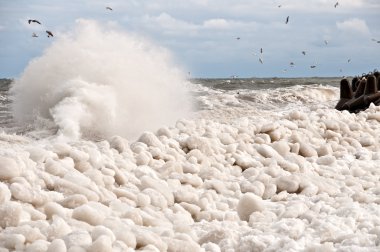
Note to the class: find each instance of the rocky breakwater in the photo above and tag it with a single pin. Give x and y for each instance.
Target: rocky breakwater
(360, 93)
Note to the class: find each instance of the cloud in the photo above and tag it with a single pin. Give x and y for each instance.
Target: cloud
(224, 24)
(193, 28)
(168, 23)
(361, 3)
(217, 23)
(355, 25)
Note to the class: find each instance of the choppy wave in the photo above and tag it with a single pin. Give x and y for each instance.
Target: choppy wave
(224, 105)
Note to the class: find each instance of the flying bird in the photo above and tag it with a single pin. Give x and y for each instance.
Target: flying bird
(287, 20)
(313, 66)
(326, 42)
(303, 52)
(34, 35)
(377, 41)
(34, 21)
(237, 38)
(261, 61)
(261, 50)
(279, 6)
(49, 34)
(349, 60)
(336, 4)
(109, 8)
(291, 64)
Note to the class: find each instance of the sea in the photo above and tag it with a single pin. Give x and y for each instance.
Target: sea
(265, 94)
(210, 96)
(106, 145)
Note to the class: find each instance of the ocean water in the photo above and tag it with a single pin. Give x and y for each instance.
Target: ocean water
(226, 99)
(207, 96)
(106, 145)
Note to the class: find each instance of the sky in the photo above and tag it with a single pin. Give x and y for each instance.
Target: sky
(213, 38)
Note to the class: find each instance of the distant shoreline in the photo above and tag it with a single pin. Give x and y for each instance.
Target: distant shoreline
(267, 78)
(240, 78)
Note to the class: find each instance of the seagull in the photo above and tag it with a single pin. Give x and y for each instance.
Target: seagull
(109, 8)
(348, 61)
(313, 66)
(326, 42)
(261, 50)
(336, 4)
(303, 52)
(377, 41)
(34, 35)
(261, 61)
(291, 64)
(287, 20)
(279, 6)
(34, 21)
(237, 38)
(49, 34)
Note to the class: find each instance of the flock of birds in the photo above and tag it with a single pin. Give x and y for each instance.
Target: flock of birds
(303, 52)
(49, 33)
(292, 64)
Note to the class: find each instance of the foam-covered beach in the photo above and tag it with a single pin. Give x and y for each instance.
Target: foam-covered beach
(304, 181)
(255, 170)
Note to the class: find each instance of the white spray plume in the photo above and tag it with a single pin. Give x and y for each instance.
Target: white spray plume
(102, 81)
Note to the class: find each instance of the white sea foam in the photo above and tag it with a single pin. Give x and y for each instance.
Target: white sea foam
(302, 180)
(99, 80)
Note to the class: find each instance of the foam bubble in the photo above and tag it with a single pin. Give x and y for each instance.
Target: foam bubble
(248, 204)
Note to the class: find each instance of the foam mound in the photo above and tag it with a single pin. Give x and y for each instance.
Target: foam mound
(310, 181)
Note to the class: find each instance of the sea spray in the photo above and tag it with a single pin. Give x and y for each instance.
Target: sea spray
(100, 81)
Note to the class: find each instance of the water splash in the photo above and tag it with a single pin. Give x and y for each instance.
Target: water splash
(100, 81)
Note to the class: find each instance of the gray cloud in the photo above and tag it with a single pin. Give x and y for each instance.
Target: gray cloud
(202, 33)
(354, 25)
